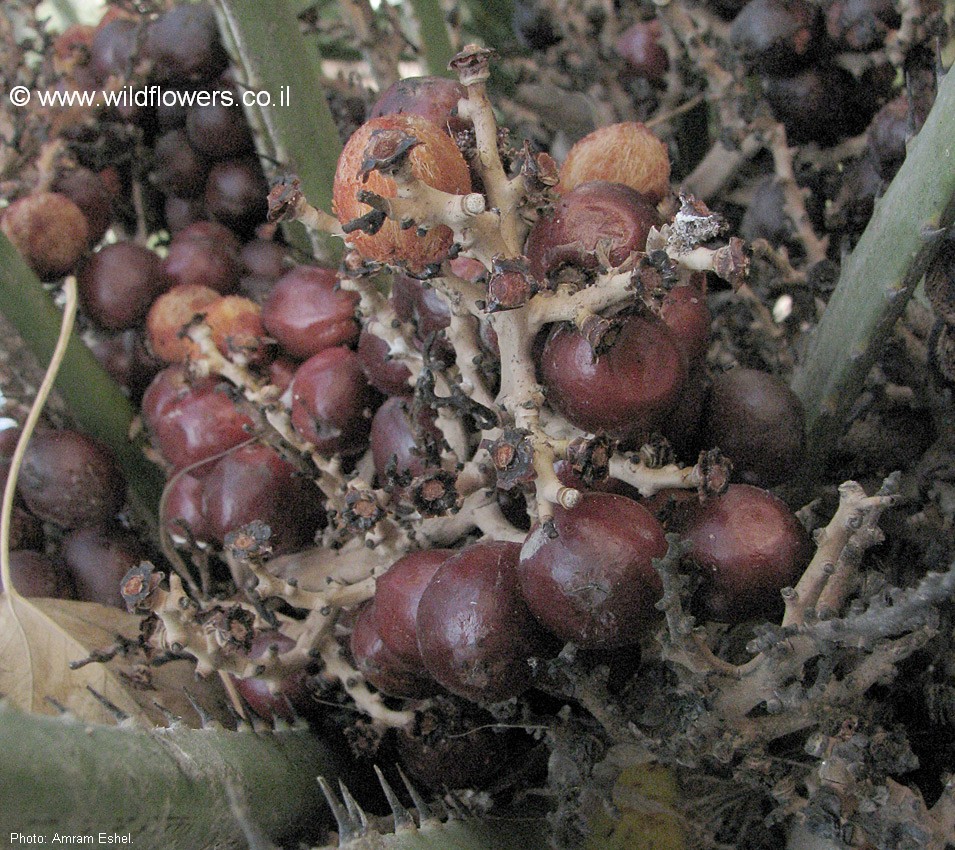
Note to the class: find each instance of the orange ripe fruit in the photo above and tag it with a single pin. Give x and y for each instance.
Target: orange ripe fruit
(625, 153)
(237, 329)
(436, 160)
(170, 313)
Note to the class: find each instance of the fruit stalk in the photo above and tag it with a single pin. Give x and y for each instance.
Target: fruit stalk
(878, 278)
(70, 777)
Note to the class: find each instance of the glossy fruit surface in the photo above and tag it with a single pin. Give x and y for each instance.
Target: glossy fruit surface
(70, 479)
(184, 45)
(118, 283)
(98, 557)
(90, 193)
(217, 130)
(236, 192)
(397, 594)
(748, 546)
(685, 313)
(307, 312)
(475, 632)
(627, 153)
(436, 160)
(206, 253)
(629, 389)
(594, 583)
(329, 399)
(254, 483)
(184, 509)
(757, 421)
(399, 440)
(195, 423)
(597, 223)
(379, 665)
(386, 374)
(433, 98)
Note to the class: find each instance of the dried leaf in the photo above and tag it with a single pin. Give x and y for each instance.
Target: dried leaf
(40, 637)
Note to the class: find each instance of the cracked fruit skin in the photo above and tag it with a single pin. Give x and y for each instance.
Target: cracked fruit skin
(594, 583)
(436, 161)
(475, 632)
(626, 391)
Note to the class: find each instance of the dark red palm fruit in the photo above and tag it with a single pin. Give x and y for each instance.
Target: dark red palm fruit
(397, 442)
(205, 253)
(860, 24)
(282, 372)
(218, 130)
(397, 594)
(639, 46)
(37, 576)
(433, 98)
(307, 312)
(170, 313)
(195, 424)
(48, 230)
(184, 510)
(181, 213)
(92, 195)
(595, 220)
(292, 696)
(757, 421)
(436, 161)
(385, 374)
(380, 666)
(330, 397)
(821, 104)
(169, 386)
(626, 391)
(125, 357)
(265, 257)
(26, 531)
(97, 558)
(118, 283)
(184, 45)
(423, 305)
(255, 483)
(778, 36)
(256, 288)
(594, 583)
(70, 479)
(747, 546)
(237, 329)
(475, 632)
(236, 194)
(683, 428)
(685, 313)
(456, 745)
(113, 48)
(178, 168)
